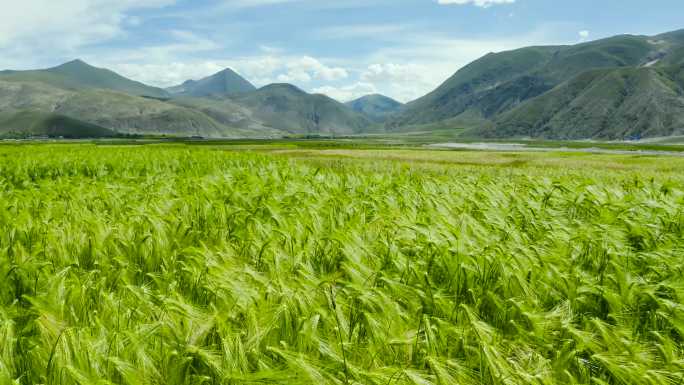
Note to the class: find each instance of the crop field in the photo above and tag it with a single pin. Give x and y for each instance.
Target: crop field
(181, 264)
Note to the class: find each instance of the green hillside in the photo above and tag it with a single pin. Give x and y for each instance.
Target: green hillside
(229, 113)
(375, 107)
(77, 75)
(224, 83)
(485, 90)
(618, 51)
(27, 123)
(117, 111)
(608, 104)
(460, 92)
(287, 108)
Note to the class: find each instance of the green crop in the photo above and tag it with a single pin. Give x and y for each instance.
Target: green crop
(180, 265)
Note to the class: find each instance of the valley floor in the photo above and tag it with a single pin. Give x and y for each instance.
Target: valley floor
(348, 262)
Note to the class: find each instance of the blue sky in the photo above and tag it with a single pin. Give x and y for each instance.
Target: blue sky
(344, 48)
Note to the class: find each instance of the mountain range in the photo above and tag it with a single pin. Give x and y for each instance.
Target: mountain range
(223, 105)
(617, 88)
(78, 75)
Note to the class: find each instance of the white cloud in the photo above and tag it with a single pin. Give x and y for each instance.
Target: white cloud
(36, 30)
(315, 69)
(309, 4)
(347, 93)
(300, 70)
(166, 74)
(403, 81)
(390, 71)
(376, 31)
(294, 77)
(161, 65)
(260, 70)
(253, 3)
(479, 3)
(66, 23)
(584, 35)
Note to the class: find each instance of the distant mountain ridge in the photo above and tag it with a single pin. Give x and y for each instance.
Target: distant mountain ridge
(624, 103)
(288, 108)
(375, 107)
(76, 99)
(221, 84)
(27, 123)
(484, 93)
(79, 75)
(117, 111)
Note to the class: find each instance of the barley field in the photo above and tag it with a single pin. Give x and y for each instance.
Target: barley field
(178, 264)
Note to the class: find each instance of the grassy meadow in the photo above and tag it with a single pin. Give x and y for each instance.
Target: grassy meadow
(277, 264)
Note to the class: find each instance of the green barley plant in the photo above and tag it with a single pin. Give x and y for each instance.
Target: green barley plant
(181, 265)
